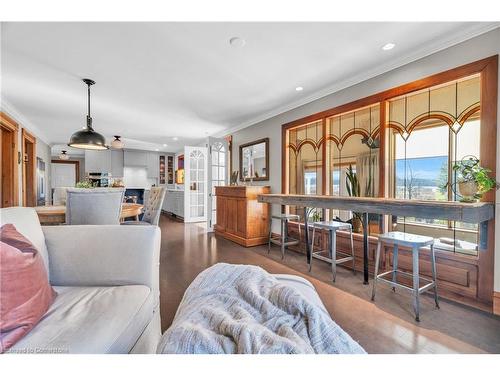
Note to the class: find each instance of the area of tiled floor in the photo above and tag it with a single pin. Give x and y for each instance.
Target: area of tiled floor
(386, 326)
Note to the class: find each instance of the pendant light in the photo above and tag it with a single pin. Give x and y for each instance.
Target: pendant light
(88, 138)
(117, 142)
(63, 155)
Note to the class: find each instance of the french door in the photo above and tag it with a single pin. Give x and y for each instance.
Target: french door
(218, 161)
(195, 182)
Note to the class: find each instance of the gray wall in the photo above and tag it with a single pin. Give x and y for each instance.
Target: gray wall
(474, 49)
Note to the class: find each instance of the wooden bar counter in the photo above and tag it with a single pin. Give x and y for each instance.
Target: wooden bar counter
(240, 217)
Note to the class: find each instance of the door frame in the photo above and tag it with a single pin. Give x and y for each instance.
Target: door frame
(9, 125)
(75, 162)
(29, 172)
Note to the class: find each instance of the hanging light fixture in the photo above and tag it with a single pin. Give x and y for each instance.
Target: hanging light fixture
(88, 138)
(63, 155)
(117, 142)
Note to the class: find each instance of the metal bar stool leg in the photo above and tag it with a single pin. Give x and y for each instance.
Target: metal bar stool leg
(270, 235)
(433, 264)
(312, 249)
(352, 253)
(395, 265)
(283, 238)
(377, 258)
(416, 283)
(333, 246)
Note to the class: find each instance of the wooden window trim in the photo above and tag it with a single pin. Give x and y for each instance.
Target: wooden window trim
(488, 68)
(7, 123)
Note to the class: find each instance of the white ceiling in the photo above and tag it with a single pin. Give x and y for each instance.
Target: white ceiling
(156, 81)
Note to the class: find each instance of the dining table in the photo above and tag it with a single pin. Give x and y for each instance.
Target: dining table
(52, 215)
(476, 212)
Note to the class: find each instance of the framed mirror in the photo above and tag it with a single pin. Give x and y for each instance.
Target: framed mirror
(254, 160)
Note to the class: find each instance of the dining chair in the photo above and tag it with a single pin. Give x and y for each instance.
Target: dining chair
(96, 206)
(59, 196)
(152, 208)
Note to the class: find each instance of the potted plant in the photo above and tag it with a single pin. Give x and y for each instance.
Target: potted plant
(85, 184)
(353, 189)
(472, 179)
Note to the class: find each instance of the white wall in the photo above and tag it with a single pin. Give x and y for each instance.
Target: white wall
(474, 49)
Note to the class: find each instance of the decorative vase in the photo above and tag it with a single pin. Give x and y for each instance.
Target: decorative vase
(468, 190)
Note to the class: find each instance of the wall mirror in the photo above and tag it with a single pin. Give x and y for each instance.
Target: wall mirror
(254, 160)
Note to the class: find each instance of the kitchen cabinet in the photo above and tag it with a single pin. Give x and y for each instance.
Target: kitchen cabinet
(153, 164)
(174, 202)
(97, 161)
(117, 163)
(135, 158)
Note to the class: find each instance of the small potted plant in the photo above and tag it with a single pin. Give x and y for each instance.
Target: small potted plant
(472, 179)
(85, 184)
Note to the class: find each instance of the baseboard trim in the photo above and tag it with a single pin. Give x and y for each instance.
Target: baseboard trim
(496, 303)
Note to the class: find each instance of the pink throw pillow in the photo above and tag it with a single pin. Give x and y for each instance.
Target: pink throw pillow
(25, 292)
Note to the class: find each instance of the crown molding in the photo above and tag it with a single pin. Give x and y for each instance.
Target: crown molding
(336, 87)
(23, 122)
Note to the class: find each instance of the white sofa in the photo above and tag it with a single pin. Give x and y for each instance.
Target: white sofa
(107, 280)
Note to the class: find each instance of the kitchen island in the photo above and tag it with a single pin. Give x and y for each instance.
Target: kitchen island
(174, 202)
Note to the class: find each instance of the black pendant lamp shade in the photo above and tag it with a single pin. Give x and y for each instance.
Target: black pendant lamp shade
(88, 138)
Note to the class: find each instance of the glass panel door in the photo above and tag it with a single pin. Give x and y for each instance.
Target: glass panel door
(218, 162)
(195, 205)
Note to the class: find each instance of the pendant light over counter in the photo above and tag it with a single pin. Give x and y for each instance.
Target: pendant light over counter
(88, 138)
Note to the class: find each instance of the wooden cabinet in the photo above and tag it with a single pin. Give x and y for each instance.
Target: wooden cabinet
(240, 218)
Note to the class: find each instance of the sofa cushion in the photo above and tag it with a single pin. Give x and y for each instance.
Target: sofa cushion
(91, 320)
(26, 222)
(25, 292)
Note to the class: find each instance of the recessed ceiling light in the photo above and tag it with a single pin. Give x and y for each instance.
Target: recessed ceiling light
(388, 46)
(237, 42)
(175, 139)
(299, 88)
(164, 145)
(156, 149)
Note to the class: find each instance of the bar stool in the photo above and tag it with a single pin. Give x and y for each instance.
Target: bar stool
(283, 239)
(332, 227)
(416, 242)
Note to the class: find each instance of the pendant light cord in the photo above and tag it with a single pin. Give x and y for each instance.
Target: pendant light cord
(88, 99)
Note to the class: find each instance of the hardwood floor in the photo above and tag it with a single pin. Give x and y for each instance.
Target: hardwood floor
(386, 326)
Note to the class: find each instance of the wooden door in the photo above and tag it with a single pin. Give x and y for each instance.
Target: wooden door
(231, 215)
(221, 214)
(241, 217)
(29, 168)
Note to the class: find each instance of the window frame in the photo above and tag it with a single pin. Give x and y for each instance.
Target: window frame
(488, 70)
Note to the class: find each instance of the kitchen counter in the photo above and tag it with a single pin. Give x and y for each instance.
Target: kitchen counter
(174, 202)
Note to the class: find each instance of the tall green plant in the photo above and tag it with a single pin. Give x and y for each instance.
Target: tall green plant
(352, 186)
